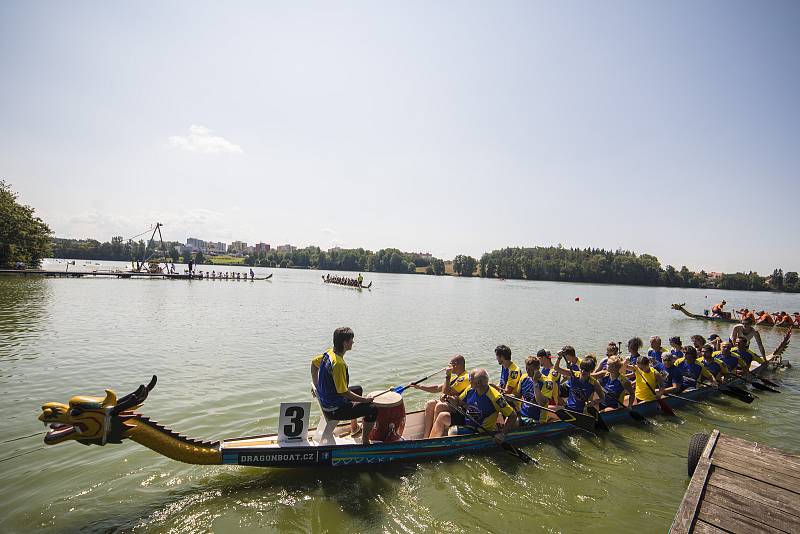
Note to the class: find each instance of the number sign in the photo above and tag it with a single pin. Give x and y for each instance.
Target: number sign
(293, 423)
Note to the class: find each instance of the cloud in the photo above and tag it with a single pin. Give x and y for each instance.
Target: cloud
(201, 140)
(329, 231)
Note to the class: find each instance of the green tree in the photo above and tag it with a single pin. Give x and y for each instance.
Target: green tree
(187, 255)
(199, 258)
(23, 236)
(791, 282)
(438, 266)
(464, 265)
(173, 252)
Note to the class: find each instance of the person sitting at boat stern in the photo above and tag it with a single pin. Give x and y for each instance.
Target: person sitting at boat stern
(480, 405)
(338, 399)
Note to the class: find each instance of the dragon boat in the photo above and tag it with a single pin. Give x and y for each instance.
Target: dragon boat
(109, 420)
(358, 287)
(680, 308)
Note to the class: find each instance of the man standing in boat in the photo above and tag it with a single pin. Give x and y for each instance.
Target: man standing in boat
(338, 399)
(745, 329)
(360, 279)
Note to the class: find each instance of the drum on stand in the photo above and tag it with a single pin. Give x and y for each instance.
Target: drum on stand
(391, 417)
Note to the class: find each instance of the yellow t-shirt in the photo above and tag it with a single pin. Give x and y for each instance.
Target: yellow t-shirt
(317, 360)
(460, 383)
(644, 393)
(514, 377)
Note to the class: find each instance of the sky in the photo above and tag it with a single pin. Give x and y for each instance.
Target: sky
(668, 128)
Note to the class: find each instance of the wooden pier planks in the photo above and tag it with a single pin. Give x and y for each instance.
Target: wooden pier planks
(741, 486)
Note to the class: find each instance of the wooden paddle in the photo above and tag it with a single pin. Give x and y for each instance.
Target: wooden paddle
(512, 450)
(661, 402)
(582, 421)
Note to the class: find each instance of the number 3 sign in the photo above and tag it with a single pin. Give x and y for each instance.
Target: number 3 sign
(293, 423)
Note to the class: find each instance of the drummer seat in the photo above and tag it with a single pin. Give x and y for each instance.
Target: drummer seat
(325, 427)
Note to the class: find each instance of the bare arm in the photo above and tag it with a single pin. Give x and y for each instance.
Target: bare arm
(314, 375)
(428, 389)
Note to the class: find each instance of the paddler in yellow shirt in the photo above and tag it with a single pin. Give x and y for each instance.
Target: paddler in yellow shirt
(456, 381)
(510, 374)
(649, 382)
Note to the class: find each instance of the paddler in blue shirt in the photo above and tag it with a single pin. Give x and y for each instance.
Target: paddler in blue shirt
(715, 366)
(673, 376)
(693, 371)
(615, 386)
(538, 389)
(338, 399)
(743, 352)
(581, 385)
(732, 361)
(481, 404)
(656, 350)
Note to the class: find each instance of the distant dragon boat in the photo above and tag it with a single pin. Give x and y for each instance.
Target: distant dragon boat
(680, 308)
(358, 287)
(108, 420)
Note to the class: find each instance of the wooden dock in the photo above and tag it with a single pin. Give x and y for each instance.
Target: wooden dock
(740, 486)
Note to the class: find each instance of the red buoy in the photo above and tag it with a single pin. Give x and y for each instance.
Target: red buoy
(577, 299)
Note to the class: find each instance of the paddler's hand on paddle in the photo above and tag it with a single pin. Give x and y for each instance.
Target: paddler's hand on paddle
(368, 400)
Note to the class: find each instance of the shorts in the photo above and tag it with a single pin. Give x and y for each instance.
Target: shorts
(354, 410)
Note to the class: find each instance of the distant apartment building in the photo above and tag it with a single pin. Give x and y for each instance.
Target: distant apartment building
(262, 249)
(238, 247)
(285, 249)
(195, 244)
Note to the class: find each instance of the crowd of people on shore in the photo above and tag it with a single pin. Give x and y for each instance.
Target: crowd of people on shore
(344, 281)
(526, 396)
(778, 318)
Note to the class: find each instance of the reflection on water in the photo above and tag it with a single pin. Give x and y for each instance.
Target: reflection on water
(227, 353)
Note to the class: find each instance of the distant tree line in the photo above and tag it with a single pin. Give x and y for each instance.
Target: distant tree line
(387, 260)
(116, 250)
(561, 264)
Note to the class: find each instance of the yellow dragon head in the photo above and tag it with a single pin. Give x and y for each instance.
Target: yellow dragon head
(92, 420)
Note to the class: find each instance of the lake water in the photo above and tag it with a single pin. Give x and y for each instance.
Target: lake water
(227, 353)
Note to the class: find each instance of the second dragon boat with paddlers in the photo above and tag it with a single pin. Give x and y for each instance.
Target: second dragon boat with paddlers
(345, 282)
(718, 319)
(109, 420)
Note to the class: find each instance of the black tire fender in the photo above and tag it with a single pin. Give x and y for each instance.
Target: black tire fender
(697, 444)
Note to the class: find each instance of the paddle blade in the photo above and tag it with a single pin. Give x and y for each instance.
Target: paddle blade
(636, 416)
(599, 424)
(738, 393)
(581, 421)
(399, 389)
(769, 382)
(665, 407)
(517, 452)
(763, 387)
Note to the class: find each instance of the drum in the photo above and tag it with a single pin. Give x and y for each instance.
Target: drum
(391, 417)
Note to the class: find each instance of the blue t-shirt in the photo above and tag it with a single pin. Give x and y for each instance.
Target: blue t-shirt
(579, 393)
(674, 375)
(654, 355)
(614, 391)
(526, 391)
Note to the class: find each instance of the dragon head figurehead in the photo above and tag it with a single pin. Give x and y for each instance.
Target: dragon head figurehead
(92, 420)
(677, 306)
